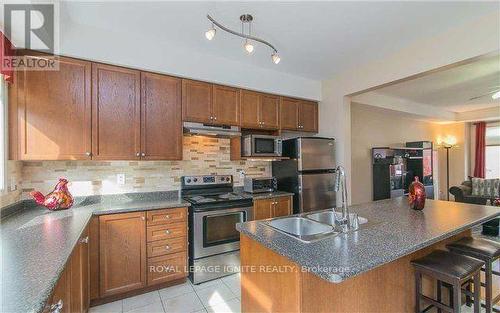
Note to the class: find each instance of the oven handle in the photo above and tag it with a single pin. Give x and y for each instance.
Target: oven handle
(248, 210)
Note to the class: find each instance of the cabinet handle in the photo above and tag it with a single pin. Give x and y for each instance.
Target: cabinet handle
(167, 216)
(57, 307)
(138, 154)
(88, 154)
(85, 240)
(167, 247)
(215, 118)
(167, 232)
(143, 218)
(211, 117)
(143, 154)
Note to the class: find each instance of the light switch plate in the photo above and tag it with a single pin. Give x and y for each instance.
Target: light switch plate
(120, 179)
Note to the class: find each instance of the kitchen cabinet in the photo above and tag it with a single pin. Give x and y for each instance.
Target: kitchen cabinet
(272, 207)
(61, 295)
(161, 117)
(299, 115)
(115, 113)
(79, 269)
(122, 252)
(53, 112)
(210, 104)
(196, 101)
(259, 111)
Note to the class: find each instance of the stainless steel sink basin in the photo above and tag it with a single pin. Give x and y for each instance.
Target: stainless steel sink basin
(302, 228)
(328, 217)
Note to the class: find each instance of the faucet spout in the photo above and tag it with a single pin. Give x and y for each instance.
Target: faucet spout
(340, 185)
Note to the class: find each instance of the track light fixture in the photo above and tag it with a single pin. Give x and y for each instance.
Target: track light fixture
(246, 19)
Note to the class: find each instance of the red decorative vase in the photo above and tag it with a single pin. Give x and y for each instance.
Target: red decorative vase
(416, 196)
(59, 199)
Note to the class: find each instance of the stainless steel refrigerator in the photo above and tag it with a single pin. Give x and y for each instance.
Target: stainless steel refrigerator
(309, 173)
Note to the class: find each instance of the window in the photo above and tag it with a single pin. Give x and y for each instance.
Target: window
(492, 150)
(3, 137)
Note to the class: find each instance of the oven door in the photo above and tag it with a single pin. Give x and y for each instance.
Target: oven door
(215, 231)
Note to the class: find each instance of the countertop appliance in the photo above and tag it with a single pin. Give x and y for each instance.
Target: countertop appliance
(214, 242)
(261, 145)
(260, 184)
(309, 173)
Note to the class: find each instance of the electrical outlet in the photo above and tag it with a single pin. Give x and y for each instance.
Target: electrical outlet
(242, 174)
(13, 183)
(120, 179)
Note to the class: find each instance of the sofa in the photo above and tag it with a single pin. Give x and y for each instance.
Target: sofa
(463, 193)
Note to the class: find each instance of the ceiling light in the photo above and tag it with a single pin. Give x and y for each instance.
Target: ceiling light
(276, 58)
(496, 95)
(248, 47)
(210, 34)
(246, 20)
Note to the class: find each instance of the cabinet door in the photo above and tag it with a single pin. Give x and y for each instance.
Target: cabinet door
(94, 258)
(269, 112)
(282, 206)
(161, 117)
(173, 267)
(115, 113)
(308, 116)
(262, 209)
(122, 249)
(289, 114)
(79, 269)
(226, 105)
(250, 109)
(62, 292)
(196, 101)
(55, 111)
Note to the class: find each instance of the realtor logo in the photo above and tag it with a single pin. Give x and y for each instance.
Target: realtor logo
(30, 26)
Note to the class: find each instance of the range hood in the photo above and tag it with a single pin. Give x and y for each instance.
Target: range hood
(211, 130)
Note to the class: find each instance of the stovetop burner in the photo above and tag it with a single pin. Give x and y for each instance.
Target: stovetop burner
(225, 197)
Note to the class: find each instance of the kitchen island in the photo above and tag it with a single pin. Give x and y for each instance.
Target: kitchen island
(367, 270)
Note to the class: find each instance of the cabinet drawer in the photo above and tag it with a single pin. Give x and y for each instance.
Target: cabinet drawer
(167, 246)
(166, 268)
(166, 231)
(159, 217)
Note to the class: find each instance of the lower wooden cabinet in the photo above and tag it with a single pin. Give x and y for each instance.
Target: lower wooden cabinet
(71, 293)
(272, 207)
(122, 252)
(168, 267)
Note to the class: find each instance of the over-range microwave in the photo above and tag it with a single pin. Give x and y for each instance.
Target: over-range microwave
(261, 145)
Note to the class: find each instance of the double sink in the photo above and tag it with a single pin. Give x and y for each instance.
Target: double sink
(314, 226)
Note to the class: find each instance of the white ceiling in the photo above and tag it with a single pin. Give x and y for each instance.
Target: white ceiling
(452, 89)
(316, 40)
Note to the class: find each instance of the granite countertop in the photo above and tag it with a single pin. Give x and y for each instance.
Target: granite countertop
(36, 243)
(395, 231)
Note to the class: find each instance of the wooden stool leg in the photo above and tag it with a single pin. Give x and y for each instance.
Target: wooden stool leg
(477, 292)
(488, 288)
(438, 294)
(457, 297)
(418, 290)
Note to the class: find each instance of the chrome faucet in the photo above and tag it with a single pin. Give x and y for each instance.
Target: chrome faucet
(340, 185)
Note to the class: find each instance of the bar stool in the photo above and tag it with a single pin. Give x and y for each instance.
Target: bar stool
(450, 268)
(489, 252)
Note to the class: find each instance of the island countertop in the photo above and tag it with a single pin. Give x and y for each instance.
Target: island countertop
(396, 231)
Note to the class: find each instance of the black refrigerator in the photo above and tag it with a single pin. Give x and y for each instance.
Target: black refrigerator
(309, 173)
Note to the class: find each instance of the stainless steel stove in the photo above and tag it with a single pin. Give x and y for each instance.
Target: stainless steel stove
(214, 242)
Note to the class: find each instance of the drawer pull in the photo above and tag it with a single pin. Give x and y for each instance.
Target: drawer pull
(167, 247)
(167, 231)
(57, 307)
(167, 216)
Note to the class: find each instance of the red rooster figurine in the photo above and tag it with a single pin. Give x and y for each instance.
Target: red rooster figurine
(416, 196)
(59, 199)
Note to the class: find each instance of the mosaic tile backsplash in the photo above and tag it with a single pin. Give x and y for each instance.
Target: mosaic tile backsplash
(201, 156)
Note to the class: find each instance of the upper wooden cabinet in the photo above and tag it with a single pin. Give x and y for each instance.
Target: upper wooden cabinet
(289, 111)
(196, 101)
(259, 111)
(53, 112)
(210, 104)
(161, 117)
(226, 105)
(115, 113)
(122, 252)
(299, 115)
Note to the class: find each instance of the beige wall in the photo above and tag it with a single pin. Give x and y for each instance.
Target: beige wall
(13, 173)
(201, 155)
(372, 127)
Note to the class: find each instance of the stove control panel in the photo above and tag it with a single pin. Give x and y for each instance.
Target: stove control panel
(207, 180)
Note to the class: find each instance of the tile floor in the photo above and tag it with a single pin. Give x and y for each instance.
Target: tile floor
(220, 295)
